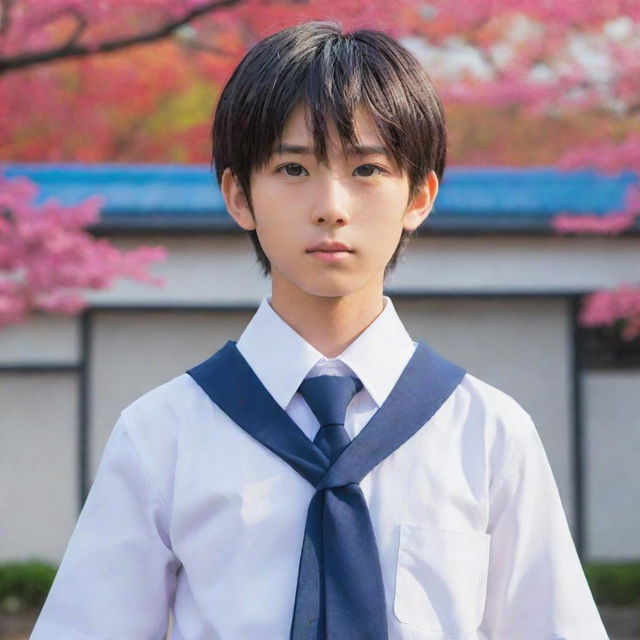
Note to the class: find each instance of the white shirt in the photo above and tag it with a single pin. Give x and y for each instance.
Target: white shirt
(189, 512)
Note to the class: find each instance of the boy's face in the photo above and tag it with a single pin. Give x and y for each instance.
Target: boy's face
(329, 231)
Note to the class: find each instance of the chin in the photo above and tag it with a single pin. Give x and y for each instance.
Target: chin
(331, 289)
(328, 292)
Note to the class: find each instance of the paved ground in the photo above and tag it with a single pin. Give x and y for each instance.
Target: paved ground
(19, 626)
(622, 623)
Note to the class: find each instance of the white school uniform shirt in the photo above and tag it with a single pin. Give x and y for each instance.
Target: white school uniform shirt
(188, 512)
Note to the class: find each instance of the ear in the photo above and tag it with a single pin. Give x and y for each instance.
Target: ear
(236, 201)
(420, 206)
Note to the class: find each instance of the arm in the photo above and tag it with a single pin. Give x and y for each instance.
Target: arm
(537, 589)
(117, 578)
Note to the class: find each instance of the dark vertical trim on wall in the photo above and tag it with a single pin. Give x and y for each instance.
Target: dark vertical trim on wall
(83, 406)
(578, 452)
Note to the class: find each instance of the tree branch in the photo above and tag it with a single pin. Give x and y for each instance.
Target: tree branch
(632, 109)
(81, 25)
(73, 50)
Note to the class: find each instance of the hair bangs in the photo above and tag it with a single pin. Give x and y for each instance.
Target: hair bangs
(351, 71)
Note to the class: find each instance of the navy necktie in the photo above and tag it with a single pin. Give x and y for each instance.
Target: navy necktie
(351, 566)
(340, 592)
(328, 397)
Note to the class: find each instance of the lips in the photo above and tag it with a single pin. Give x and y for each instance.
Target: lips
(329, 247)
(330, 252)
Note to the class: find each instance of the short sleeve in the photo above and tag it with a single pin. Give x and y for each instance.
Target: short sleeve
(117, 578)
(536, 585)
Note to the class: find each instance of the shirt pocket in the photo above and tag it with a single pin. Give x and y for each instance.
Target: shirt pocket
(441, 578)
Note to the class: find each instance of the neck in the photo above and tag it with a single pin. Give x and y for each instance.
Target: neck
(328, 323)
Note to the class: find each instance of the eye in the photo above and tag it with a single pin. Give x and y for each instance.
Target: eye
(293, 169)
(368, 170)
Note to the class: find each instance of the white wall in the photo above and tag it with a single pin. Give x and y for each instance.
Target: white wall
(44, 339)
(522, 346)
(470, 332)
(221, 269)
(612, 465)
(38, 466)
(506, 263)
(38, 439)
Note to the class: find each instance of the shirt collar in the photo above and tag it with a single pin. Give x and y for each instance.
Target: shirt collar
(281, 358)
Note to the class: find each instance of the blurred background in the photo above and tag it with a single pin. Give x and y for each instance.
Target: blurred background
(120, 268)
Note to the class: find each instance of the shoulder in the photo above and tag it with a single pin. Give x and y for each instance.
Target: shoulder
(507, 429)
(167, 401)
(496, 406)
(153, 423)
(160, 413)
(476, 402)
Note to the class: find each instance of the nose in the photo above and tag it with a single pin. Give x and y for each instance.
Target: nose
(332, 203)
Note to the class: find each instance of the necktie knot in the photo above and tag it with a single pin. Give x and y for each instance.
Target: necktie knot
(329, 396)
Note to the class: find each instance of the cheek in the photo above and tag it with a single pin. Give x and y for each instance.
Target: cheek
(268, 237)
(276, 236)
(382, 221)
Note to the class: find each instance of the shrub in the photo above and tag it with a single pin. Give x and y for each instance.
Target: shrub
(25, 585)
(617, 584)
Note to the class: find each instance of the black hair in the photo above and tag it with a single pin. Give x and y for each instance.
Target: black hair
(332, 73)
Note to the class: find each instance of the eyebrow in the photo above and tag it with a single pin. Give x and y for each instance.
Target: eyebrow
(360, 150)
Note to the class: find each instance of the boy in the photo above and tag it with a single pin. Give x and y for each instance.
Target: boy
(325, 477)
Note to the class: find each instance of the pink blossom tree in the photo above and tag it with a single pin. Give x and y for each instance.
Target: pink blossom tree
(48, 260)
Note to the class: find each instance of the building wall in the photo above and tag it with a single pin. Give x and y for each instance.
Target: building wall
(612, 432)
(522, 345)
(38, 479)
(207, 269)
(167, 343)
(527, 264)
(38, 425)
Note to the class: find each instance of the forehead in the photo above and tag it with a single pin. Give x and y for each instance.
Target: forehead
(296, 130)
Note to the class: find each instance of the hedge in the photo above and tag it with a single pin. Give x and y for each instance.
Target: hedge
(24, 585)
